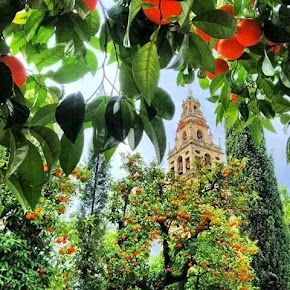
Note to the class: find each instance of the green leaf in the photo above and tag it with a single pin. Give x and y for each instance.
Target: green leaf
(284, 79)
(134, 8)
(185, 5)
(266, 108)
(135, 133)
(268, 125)
(231, 118)
(31, 176)
(118, 118)
(15, 187)
(49, 57)
(18, 151)
(288, 151)
(71, 153)
(206, 56)
(32, 23)
(43, 35)
(146, 70)
(281, 104)
(69, 73)
(217, 23)
(17, 113)
(70, 115)
(44, 116)
(204, 83)
(202, 6)
(267, 66)
(216, 83)
(93, 21)
(155, 130)
(127, 82)
(49, 143)
(256, 131)
(225, 96)
(108, 154)
(163, 103)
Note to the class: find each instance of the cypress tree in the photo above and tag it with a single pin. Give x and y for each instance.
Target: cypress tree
(272, 264)
(91, 227)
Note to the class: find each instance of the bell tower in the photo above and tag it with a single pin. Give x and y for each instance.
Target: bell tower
(193, 140)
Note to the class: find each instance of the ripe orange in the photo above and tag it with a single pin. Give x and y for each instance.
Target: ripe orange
(179, 245)
(58, 173)
(162, 218)
(202, 34)
(221, 66)
(92, 4)
(249, 32)
(190, 265)
(230, 48)
(234, 98)
(71, 250)
(19, 74)
(45, 167)
(28, 216)
(228, 8)
(50, 229)
(162, 11)
(138, 190)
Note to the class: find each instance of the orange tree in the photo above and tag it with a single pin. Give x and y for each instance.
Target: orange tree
(199, 225)
(28, 256)
(58, 42)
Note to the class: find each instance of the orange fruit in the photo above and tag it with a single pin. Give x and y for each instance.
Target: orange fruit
(28, 216)
(202, 34)
(228, 8)
(138, 190)
(92, 4)
(230, 48)
(19, 74)
(45, 167)
(58, 172)
(249, 32)
(162, 218)
(179, 245)
(71, 250)
(161, 11)
(221, 66)
(234, 98)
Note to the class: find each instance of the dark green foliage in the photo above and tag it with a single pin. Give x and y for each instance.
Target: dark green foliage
(91, 227)
(272, 264)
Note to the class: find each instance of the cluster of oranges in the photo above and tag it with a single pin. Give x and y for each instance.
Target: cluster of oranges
(161, 11)
(249, 33)
(34, 215)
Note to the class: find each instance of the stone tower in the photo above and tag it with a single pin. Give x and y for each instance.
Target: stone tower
(193, 140)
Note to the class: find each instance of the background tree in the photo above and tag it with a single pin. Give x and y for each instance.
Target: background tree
(91, 226)
(200, 227)
(266, 215)
(29, 257)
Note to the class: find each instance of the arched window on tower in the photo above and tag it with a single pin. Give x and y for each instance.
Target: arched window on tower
(180, 165)
(199, 135)
(184, 135)
(207, 160)
(187, 163)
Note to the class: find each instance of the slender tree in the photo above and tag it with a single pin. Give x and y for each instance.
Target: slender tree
(91, 226)
(266, 215)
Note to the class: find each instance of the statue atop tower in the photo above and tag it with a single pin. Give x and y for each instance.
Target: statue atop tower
(193, 140)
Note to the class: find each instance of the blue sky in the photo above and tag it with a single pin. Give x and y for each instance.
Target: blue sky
(276, 143)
